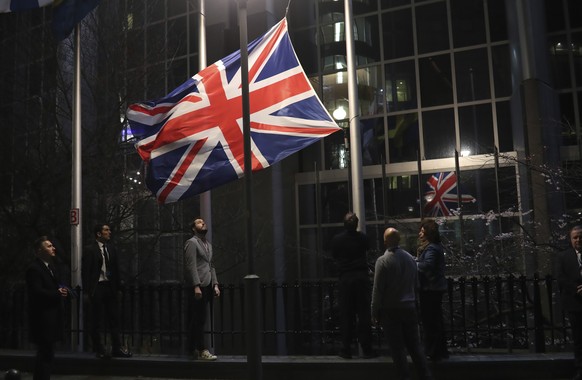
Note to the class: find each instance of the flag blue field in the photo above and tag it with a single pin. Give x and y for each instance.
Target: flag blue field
(192, 139)
(68, 13)
(22, 5)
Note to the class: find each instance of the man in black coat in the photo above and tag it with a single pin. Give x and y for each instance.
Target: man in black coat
(101, 284)
(568, 273)
(349, 249)
(46, 309)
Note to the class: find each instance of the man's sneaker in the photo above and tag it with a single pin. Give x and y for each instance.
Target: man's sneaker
(206, 355)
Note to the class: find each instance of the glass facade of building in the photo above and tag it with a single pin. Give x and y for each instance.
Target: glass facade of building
(436, 79)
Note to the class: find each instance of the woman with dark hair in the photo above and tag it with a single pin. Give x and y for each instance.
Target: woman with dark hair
(433, 284)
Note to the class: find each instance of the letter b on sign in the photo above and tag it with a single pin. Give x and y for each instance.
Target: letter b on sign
(74, 216)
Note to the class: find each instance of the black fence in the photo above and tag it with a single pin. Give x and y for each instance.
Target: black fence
(499, 313)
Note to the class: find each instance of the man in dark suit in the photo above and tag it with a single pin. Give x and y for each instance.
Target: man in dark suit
(201, 285)
(101, 283)
(568, 273)
(349, 249)
(45, 305)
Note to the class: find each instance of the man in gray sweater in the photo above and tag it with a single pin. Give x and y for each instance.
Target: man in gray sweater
(394, 306)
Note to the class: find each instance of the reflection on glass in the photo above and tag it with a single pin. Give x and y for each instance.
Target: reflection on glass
(472, 74)
(438, 134)
(403, 137)
(400, 86)
(436, 86)
(476, 129)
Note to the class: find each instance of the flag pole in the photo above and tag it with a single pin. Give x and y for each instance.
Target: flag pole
(206, 197)
(354, 120)
(419, 180)
(76, 196)
(459, 201)
(252, 314)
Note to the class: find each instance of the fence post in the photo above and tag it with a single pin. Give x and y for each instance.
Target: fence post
(540, 341)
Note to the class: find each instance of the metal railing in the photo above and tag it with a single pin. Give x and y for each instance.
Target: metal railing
(301, 318)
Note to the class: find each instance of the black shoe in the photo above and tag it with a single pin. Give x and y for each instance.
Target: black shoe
(121, 353)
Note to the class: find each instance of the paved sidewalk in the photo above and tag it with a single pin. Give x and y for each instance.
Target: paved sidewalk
(84, 366)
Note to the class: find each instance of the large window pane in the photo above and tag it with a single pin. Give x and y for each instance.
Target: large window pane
(400, 86)
(476, 129)
(156, 43)
(335, 201)
(577, 54)
(559, 61)
(397, 33)
(435, 80)
(403, 137)
(307, 209)
(177, 44)
(504, 130)
(468, 20)
(302, 14)
(555, 20)
(575, 10)
(387, 4)
(367, 40)
(156, 10)
(373, 141)
(176, 8)
(438, 133)
(501, 71)
(431, 27)
(402, 197)
(472, 75)
(497, 20)
(485, 188)
(307, 53)
(336, 154)
(370, 91)
(567, 120)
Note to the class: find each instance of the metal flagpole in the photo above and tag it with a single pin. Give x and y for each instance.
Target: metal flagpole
(206, 197)
(354, 120)
(255, 371)
(459, 201)
(419, 180)
(76, 196)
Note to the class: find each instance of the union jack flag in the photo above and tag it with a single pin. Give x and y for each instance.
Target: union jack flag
(441, 198)
(192, 139)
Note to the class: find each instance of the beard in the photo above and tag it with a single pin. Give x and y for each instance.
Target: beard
(201, 231)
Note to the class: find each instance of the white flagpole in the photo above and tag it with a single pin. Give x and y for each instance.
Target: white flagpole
(354, 120)
(206, 197)
(76, 195)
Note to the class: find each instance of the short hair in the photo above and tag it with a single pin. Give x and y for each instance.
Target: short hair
(351, 221)
(193, 222)
(98, 228)
(431, 230)
(575, 228)
(37, 244)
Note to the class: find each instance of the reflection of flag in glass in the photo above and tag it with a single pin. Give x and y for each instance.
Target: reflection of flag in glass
(441, 195)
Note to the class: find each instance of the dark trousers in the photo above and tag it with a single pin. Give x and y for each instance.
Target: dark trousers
(104, 313)
(575, 318)
(401, 330)
(197, 309)
(355, 292)
(45, 353)
(431, 313)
